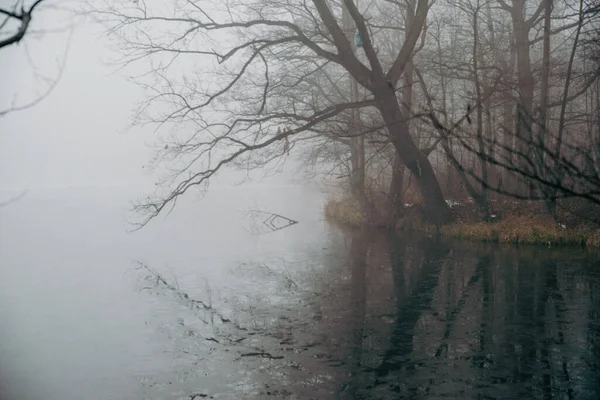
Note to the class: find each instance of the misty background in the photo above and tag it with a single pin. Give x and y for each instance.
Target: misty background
(73, 322)
(207, 301)
(79, 136)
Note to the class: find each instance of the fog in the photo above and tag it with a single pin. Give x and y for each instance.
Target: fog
(81, 134)
(72, 138)
(275, 200)
(74, 324)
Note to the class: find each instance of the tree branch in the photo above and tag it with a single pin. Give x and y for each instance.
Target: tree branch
(410, 41)
(359, 20)
(346, 56)
(24, 17)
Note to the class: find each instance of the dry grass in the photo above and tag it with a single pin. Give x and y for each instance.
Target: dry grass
(517, 229)
(344, 211)
(524, 230)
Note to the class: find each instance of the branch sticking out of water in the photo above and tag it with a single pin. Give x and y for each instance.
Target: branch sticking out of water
(262, 354)
(184, 298)
(198, 305)
(285, 275)
(262, 222)
(14, 199)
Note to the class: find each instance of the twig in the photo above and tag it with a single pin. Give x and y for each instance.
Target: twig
(185, 298)
(14, 199)
(262, 354)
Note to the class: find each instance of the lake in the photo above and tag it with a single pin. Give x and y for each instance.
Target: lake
(210, 303)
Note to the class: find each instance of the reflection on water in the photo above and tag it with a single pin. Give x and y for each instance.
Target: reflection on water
(310, 312)
(387, 318)
(467, 322)
(430, 320)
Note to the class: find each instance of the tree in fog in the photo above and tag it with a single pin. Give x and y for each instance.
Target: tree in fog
(484, 96)
(15, 25)
(16, 22)
(523, 102)
(225, 77)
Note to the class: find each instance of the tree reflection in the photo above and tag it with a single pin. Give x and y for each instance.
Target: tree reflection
(398, 357)
(472, 322)
(389, 317)
(358, 259)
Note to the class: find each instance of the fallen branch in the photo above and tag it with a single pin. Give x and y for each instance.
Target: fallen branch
(272, 221)
(262, 354)
(184, 298)
(289, 282)
(14, 199)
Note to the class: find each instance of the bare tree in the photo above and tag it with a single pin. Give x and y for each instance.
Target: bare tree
(20, 14)
(364, 89)
(227, 110)
(15, 25)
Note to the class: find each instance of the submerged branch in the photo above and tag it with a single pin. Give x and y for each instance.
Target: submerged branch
(184, 298)
(14, 199)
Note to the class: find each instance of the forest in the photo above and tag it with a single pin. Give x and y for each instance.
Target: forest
(428, 120)
(492, 105)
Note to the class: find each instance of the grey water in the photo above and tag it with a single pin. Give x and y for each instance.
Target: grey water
(209, 303)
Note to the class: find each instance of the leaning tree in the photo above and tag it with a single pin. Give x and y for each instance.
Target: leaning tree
(229, 82)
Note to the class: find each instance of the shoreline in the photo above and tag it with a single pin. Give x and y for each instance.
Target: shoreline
(512, 229)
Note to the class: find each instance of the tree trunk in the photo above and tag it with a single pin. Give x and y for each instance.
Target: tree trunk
(595, 131)
(434, 205)
(549, 206)
(506, 155)
(509, 181)
(357, 141)
(396, 195)
(407, 90)
(505, 178)
(526, 84)
(357, 151)
(480, 139)
(382, 85)
(558, 168)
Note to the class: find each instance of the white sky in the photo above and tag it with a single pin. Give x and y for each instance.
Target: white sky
(77, 135)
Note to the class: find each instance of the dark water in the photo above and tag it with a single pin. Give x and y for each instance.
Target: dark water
(198, 306)
(424, 319)
(416, 318)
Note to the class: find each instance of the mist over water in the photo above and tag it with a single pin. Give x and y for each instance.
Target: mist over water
(213, 301)
(75, 324)
(309, 311)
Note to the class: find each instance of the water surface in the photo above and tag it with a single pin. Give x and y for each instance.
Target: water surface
(203, 305)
